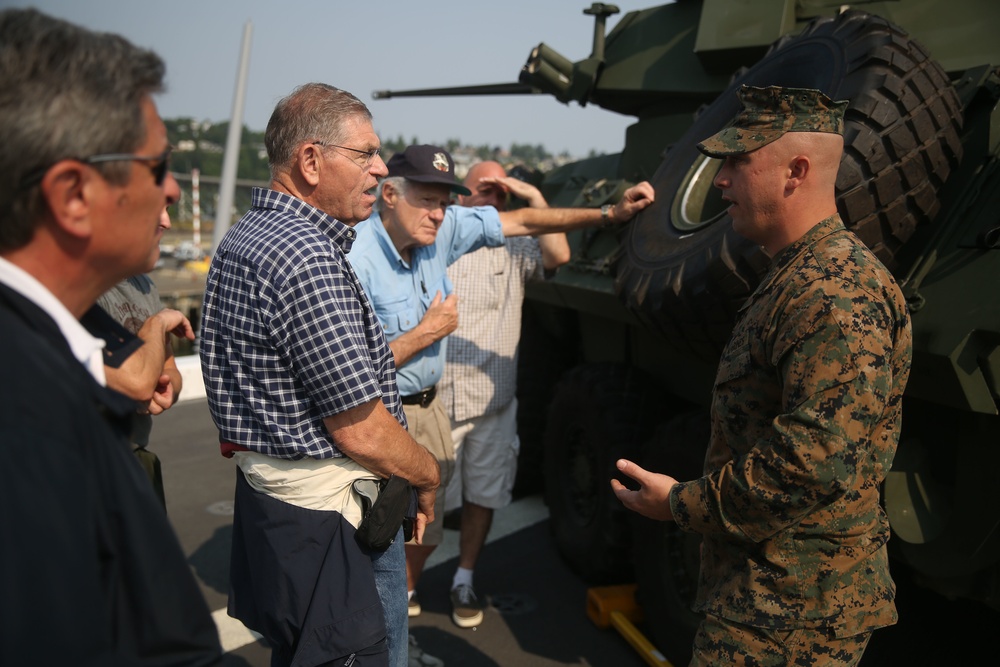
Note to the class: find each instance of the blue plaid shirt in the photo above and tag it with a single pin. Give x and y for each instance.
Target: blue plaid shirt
(288, 336)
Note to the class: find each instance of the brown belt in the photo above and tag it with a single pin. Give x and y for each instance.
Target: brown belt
(423, 398)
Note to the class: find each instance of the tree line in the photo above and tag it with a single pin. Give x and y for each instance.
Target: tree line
(201, 144)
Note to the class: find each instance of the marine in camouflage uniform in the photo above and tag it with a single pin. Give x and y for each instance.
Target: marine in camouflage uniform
(805, 421)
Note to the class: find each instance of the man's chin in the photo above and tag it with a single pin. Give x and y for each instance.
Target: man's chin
(153, 259)
(428, 238)
(360, 215)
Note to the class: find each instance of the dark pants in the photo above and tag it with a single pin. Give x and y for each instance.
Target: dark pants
(150, 463)
(300, 579)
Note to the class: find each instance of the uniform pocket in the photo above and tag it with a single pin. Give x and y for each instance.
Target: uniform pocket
(733, 366)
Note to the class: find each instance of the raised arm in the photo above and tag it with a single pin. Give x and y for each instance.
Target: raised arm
(533, 221)
(554, 247)
(555, 250)
(519, 189)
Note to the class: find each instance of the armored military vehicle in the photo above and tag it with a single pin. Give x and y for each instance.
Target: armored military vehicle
(636, 321)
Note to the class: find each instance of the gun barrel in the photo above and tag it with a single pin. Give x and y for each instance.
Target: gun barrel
(485, 89)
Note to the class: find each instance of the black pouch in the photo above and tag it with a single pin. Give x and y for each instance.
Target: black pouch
(394, 506)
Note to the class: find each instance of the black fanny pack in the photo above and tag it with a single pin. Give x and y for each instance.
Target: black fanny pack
(385, 506)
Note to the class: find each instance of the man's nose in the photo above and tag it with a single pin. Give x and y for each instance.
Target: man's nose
(721, 179)
(377, 168)
(171, 189)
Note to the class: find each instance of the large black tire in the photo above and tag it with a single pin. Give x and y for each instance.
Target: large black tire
(685, 272)
(600, 412)
(667, 559)
(548, 348)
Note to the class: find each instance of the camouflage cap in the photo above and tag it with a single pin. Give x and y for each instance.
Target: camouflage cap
(770, 112)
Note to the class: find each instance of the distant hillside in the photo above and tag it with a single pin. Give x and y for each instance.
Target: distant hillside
(200, 144)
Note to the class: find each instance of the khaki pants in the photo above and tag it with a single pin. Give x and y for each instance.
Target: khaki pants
(431, 427)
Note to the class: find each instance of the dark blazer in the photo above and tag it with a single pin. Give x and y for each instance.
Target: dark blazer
(91, 572)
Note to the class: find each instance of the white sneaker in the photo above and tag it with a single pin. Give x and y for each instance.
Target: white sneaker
(420, 659)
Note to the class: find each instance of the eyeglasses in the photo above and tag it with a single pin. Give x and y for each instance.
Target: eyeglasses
(369, 156)
(160, 165)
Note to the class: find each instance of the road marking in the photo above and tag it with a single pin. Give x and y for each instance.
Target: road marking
(232, 633)
(519, 514)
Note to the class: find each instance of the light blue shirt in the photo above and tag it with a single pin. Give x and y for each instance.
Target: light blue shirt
(401, 292)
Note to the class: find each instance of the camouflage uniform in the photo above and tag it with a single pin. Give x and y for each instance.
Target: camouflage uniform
(805, 421)
(721, 642)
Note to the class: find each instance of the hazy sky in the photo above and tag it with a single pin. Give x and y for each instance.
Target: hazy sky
(367, 45)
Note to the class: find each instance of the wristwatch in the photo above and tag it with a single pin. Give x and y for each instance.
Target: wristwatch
(606, 214)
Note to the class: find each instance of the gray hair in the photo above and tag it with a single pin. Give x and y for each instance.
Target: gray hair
(311, 112)
(65, 92)
(397, 182)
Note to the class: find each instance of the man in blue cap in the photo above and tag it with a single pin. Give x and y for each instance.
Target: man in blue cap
(805, 413)
(401, 257)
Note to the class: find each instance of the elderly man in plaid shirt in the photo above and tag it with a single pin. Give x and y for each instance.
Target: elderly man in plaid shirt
(302, 387)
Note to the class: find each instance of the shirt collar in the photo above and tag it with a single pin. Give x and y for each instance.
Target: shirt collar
(789, 254)
(342, 234)
(818, 231)
(85, 347)
(375, 221)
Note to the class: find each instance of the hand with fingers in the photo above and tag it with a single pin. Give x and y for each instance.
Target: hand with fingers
(652, 499)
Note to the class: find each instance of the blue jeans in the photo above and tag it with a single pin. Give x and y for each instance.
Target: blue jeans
(390, 581)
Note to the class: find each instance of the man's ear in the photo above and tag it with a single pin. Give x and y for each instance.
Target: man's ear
(70, 190)
(309, 159)
(798, 170)
(389, 194)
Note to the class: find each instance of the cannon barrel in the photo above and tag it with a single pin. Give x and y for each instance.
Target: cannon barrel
(485, 89)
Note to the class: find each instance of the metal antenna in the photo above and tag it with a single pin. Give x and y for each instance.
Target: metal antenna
(601, 12)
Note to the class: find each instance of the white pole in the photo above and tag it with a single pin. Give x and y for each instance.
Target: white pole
(196, 208)
(227, 185)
